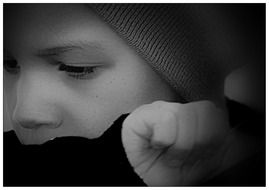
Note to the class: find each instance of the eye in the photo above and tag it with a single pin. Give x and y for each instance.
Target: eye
(78, 72)
(11, 66)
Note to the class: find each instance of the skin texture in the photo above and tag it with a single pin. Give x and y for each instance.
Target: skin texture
(43, 102)
(173, 144)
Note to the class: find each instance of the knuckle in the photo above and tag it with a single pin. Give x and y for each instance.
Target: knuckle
(171, 106)
(176, 107)
(129, 120)
(168, 116)
(159, 102)
(205, 107)
(206, 104)
(157, 105)
(141, 110)
(135, 117)
(185, 109)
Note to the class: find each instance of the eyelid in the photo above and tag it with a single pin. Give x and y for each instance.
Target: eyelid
(82, 64)
(78, 61)
(76, 58)
(78, 72)
(65, 67)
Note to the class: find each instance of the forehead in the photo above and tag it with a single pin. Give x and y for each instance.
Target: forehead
(47, 23)
(47, 13)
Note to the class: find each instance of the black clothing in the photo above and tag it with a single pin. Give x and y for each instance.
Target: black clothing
(69, 161)
(77, 161)
(251, 171)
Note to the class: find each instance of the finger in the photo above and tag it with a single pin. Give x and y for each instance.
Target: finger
(164, 131)
(187, 124)
(185, 141)
(134, 136)
(151, 127)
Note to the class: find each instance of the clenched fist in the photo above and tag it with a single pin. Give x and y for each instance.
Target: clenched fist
(176, 144)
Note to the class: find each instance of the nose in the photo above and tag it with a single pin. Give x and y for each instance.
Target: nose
(36, 123)
(36, 103)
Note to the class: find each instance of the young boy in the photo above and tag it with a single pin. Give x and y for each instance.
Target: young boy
(71, 70)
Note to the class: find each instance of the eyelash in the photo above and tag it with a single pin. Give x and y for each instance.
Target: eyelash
(12, 67)
(77, 72)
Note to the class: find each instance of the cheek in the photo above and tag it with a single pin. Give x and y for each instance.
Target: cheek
(135, 83)
(90, 108)
(85, 113)
(122, 89)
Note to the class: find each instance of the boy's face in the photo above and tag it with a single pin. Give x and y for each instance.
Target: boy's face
(68, 74)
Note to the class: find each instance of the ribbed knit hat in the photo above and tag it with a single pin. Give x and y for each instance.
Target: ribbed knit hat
(186, 44)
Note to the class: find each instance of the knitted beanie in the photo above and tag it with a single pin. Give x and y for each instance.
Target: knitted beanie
(187, 45)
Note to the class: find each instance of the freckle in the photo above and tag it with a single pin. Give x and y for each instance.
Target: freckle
(96, 96)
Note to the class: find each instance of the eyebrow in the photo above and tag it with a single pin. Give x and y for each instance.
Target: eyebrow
(57, 50)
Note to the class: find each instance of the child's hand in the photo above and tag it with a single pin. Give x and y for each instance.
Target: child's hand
(175, 144)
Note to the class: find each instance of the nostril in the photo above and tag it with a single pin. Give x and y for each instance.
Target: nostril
(35, 114)
(34, 124)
